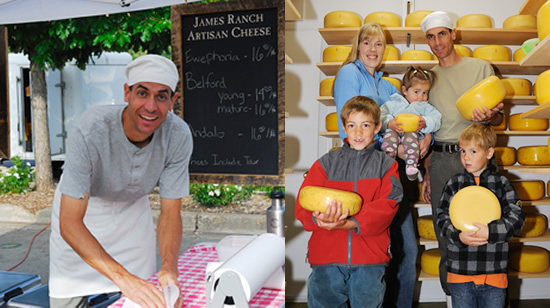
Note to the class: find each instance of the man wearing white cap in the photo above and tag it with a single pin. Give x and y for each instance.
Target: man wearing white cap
(103, 236)
(455, 76)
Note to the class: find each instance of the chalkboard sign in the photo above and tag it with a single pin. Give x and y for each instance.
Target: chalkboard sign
(231, 61)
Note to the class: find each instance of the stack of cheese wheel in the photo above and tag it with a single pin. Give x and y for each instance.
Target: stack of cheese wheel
(543, 21)
(519, 54)
(326, 86)
(486, 93)
(429, 261)
(542, 88)
(520, 22)
(492, 53)
(528, 259)
(533, 155)
(336, 53)
(535, 225)
(415, 18)
(517, 86)
(342, 19)
(529, 190)
(331, 122)
(426, 227)
(474, 21)
(384, 19)
(502, 126)
(517, 123)
(412, 55)
(390, 54)
(505, 156)
(394, 81)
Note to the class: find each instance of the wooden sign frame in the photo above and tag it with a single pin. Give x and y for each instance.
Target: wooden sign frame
(185, 10)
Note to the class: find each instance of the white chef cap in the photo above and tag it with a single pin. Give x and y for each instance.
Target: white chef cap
(436, 19)
(152, 68)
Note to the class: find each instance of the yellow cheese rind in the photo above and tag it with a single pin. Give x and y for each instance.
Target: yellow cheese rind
(317, 198)
(529, 190)
(517, 86)
(331, 122)
(533, 155)
(415, 18)
(522, 21)
(429, 261)
(390, 54)
(394, 81)
(535, 225)
(529, 259)
(409, 120)
(416, 55)
(486, 93)
(463, 50)
(519, 54)
(336, 53)
(473, 204)
(542, 88)
(326, 86)
(342, 19)
(492, 53)
(425, 227)
(474, 21)
(543, 21)
(517, 123)
(505, 156)
(384, 19)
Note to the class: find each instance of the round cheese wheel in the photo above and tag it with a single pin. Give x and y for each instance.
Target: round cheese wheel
(429, 261)
(517, 123)
(502, 126)
(492, 53)
(529, 190)
(416, 55)
(415, 18)
(505, 156)
(384, 19)
(331, 122)
(326, 86)
(336, 53)
(463, 50)
(342, 19)
(519, 54)
(529, 259)
(542, 88)
(517, 86)
(486, 93)
(409, 120)
(523, 21)
(533, 155)
(394, 81)
(474, 21)
(390, 54)
(543, 21)
(473, 204)
(425, 227)
(317, 198)
(535, 225)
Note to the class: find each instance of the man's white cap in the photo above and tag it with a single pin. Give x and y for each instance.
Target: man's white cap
(436, 19)
(152, 68)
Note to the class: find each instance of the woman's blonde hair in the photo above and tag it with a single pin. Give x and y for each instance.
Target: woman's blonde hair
(368, 31)
(479, 134)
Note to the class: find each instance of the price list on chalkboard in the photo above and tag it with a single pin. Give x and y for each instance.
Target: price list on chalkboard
(230, 90)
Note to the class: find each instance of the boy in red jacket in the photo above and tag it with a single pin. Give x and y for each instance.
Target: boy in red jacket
(348, 254)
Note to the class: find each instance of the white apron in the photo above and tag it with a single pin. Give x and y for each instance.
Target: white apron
(125, 230)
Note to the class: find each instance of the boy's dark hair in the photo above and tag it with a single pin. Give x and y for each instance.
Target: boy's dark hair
(360, 104)
(481, 134)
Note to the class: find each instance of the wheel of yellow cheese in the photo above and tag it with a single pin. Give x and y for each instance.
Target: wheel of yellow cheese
(429, 261)
(390, 54)
(517, 86)
(542, 88)
(492, 53)
(474, 21)
(326, 86)
(529, 259)
(425, 227)
(336, 53)
(517, 123)
(394, 81)
(519, 54)
(409, 120)
(529, 190)
(543, 21)
(473, 204)
(342, 19)
(384, 19)
(486, 93)
(535, 225)
(461, 50)
(533, 155)
(505, 156)
(317, 198)
(331, 122)
(411, 55)
(522, 21)
(414, 19)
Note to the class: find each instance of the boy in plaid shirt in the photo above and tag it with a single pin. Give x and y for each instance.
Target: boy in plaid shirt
(477, 261)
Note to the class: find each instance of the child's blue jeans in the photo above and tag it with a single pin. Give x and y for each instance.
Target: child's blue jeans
(339, 286)
(470, 295)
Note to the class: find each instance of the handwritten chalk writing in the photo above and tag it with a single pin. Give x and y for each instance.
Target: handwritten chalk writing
(265, 93)
(207, 35)
(204, 83)
(227, 96)
(245, 19)
(232, 109)
(263, 52)
(204, 133)
(239, 32)
(264, 109)
(226, 161)
(211, 56)
(198, 162)
(208, 21)
(250, 161)
(261, 132)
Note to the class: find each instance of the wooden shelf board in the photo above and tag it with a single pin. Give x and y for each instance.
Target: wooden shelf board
(512, 100)
(539, 56)
(291, 13)
(543, 201)
(527, 169)
(288, 60)
(523, 133)
(531, 7)
(326, 100)
(329, 134)
(540, 112)
(423, 276)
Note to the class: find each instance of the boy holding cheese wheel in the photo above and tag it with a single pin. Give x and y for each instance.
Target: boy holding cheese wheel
(477, 261)
(348, 254)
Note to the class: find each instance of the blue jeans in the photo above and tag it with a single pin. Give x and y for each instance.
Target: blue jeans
(469, 295)
(342, 287)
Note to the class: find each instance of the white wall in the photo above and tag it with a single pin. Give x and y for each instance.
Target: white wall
(304, 45)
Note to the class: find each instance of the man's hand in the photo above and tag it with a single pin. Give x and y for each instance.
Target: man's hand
(141, 292)
(167, 278)
(425, 144)
(487, 114)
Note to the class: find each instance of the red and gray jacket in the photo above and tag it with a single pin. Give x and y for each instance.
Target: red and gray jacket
(374, 176)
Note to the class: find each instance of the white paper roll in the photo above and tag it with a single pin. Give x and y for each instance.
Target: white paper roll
(255, 263)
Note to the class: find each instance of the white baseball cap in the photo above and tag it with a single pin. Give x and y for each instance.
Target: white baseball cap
(152, 68)
(436, 19)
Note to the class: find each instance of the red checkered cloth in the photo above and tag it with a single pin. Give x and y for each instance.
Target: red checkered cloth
(192, 273)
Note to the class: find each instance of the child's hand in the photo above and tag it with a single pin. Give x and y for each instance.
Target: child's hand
(475, 238)
(421, 123)
(395, 126)
(332, 218)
